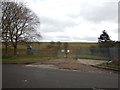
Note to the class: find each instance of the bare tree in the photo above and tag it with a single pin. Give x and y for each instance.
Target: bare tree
(19, 23)
(0, 24)
(5, 24)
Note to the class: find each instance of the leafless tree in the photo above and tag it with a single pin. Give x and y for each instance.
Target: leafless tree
(19, 23)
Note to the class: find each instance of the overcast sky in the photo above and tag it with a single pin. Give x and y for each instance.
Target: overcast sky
(76, 20)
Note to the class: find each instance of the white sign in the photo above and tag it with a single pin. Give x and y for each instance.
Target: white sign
(62, 50)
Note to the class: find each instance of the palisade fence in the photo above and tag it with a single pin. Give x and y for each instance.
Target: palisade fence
(98, 53)
(82, 52)
(32, 52)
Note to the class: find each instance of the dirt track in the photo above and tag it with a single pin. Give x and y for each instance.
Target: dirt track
(70, 64)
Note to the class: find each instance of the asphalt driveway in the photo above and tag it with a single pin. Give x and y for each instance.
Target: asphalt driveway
(20, 76)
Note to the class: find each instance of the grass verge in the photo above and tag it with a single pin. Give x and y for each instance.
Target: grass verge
(110, 66)
(24, 59)
(92, 57)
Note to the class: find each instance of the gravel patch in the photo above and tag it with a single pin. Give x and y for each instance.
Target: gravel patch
(91, 62)
(69, 64)
(43, 66)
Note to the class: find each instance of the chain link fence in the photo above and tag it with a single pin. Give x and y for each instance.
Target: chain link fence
(83, 52)
(29, 52)
(98, 53)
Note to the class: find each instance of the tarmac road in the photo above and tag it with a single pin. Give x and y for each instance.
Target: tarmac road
(20, 76)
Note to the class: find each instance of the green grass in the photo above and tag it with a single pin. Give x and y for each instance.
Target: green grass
(17, 59)
(91, 57)
(42, 45)
(83, 56)
(111, 66)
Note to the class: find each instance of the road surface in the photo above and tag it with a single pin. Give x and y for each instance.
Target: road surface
(20, 76)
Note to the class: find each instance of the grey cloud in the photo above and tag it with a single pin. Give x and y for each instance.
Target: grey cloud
(86, 38)
(90, 38)
(47, 38)
(115, 31)
(66, 37)
(74, 16)
(94, 13)
(98, 13)
(56, 38)
(63, 38)
(52, 25)
(119, 16)
(36, 1)
(50, 28)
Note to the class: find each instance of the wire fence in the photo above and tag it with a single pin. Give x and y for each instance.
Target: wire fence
(28, 52)
(98, 53)
(83, 52)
